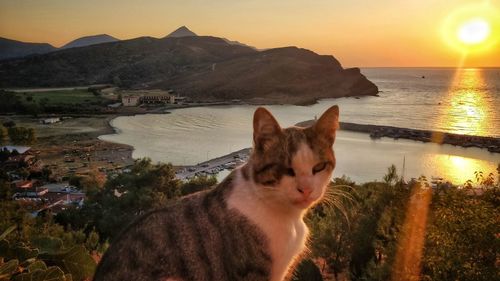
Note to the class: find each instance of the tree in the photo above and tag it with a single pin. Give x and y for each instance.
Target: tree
(391, 177)
(31, 136)
(117, 81)
(331, 238)
(21, 135)
(198, 184)
(462, 236)
(4, 155)
(3, 134)
(307, 270)
(111, 208)
(6, 191)
(9, 124)
(33, 109)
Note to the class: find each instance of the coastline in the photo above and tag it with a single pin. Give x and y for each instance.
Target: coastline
(118, 155)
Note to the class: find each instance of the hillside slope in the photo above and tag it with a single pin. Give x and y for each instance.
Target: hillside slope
(90, 40)
(14, 49)
(201, 67)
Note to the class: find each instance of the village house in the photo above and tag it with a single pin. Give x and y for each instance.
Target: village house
(130, 100)
(50, 120)
(28, 188)
(151, 97)
(19, 161)
(155, 98)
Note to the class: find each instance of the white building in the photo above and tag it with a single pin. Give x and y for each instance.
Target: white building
(130, 100)
(50, 120)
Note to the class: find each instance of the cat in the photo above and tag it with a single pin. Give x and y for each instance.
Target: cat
(249, 227)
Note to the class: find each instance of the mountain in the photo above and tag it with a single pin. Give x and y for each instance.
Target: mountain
(288, 75)
(237, 43)
(203, 68)
(90, 40)
(14, 49)
(181, 32)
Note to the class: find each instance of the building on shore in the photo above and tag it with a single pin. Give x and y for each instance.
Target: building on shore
(130, 100)
(136, 98)
(50, 120)
(115, 105)
(155, 99)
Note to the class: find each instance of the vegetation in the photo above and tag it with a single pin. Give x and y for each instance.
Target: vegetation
(3, 134)
(59, 97)
(22, 135)
(462, 239)
(307, 270)
(120, 200)
(39, 249)
(362, 240)
(357, 233)
(57, 101)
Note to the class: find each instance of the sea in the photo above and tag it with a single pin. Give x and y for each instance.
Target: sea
(463, 101)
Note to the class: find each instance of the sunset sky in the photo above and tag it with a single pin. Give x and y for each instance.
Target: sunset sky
(360, 33)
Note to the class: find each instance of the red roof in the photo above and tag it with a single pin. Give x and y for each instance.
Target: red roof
(25, 184)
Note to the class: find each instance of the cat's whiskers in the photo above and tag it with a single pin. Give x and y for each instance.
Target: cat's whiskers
(336, 198)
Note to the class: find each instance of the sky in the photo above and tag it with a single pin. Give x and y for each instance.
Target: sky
(362, 33)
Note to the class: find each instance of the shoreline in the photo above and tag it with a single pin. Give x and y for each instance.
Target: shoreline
(120, 155)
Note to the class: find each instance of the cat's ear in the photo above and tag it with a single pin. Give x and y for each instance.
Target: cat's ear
(328, 123)
(265, 128)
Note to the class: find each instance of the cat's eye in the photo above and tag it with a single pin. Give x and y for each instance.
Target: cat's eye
(290, 172)
(269, 182)
(319, 167)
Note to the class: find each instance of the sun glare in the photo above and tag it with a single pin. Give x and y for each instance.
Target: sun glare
(474, 31)
(472, 28)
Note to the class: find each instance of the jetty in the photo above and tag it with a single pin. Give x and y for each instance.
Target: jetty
(214, 166)
(492, 144)
(237, 158)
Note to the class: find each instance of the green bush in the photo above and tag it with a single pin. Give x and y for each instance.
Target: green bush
(307, 271)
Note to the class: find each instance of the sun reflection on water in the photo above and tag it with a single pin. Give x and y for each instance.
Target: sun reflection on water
(467, 108)
(458, 169)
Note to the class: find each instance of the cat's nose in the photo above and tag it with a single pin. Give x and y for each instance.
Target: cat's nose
(306, 191)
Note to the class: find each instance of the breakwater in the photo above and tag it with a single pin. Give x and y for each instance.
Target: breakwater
(376, 131)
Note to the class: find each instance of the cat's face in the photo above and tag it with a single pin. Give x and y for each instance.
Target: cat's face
(293, 166)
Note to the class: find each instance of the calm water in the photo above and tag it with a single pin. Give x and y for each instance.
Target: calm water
(463, 102)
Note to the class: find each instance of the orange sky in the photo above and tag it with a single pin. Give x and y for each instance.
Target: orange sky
(358, 32)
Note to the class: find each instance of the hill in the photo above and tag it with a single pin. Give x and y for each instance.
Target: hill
(14, 49)
(90, 40)
(201, 67)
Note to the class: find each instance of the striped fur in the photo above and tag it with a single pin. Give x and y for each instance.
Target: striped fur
(250, 227)
(196, 239)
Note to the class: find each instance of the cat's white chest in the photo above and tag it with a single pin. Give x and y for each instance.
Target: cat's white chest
(287, 241)
(286, 234)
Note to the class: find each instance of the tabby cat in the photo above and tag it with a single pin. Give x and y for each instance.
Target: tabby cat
(249, 227)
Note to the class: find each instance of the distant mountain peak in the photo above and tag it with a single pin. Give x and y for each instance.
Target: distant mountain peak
(90, 40)
(182, 31)
(16, 49)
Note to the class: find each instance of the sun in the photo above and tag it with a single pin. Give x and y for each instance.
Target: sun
(472, 28)
(474, 31)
